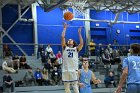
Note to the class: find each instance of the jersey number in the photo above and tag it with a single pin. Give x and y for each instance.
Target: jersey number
(70, 54)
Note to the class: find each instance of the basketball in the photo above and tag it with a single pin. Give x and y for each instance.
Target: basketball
(68, 15)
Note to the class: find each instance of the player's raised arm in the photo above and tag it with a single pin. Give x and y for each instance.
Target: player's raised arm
(63, 42)
(80, 46)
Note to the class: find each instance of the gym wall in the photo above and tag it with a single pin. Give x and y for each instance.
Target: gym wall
(128, 32)
(22, 32)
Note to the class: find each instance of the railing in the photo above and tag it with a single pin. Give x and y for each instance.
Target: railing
(32, 49)
(122, 49)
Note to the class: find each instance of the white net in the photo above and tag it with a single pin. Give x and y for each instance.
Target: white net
(78, 7)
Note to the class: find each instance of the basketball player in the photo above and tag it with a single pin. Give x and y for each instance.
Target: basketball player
(70, 61)
(85, 76)
(131, 71)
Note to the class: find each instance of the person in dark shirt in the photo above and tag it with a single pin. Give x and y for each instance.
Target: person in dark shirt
(56, 75)
(48, 65)
(40, 50)
(38, 76)
(8, 82)
(15, 60)
(109, 79)
(23, 63)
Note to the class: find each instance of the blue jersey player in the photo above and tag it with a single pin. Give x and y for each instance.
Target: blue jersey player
(85, 76)
(131, 71)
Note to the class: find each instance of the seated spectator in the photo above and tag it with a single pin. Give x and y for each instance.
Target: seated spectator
(6, 51)
(45, 76)
(23, 63)
(48, 65)
(29, 77)
(38, 77)
(55, 76)
(109, 79)
(52, 57)
(48, 50)
(59, 57)
(15, 60)
(124, 51)
(106, 58)
(8, 82)
(110, 50)
(6, 68)
(116, 56)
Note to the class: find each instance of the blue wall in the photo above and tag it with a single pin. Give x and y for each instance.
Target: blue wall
(110, 33)
(22, 32)
(50, 26)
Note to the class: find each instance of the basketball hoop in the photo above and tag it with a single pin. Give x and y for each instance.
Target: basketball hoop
(78, 7)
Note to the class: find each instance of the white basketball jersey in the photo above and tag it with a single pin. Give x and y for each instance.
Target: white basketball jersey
(70, 59)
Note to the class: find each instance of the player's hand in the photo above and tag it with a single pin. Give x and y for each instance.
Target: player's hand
(65, 25)
(79, 30)
(97, 81)
(119, 89)
(81, 85)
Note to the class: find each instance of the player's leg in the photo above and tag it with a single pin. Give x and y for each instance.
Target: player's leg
(75, 86)
(67, 87)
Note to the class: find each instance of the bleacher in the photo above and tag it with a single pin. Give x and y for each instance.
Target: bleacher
(34, 63)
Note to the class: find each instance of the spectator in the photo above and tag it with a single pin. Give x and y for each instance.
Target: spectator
(15, 60)
(38, 77)
(52, 57)
(6, 51)
(116, 56)
(48, 50)
(110, 50)
(43, 57)
(8, 82)
(109, 79)
(48, 65)
(29, 77)
(106, 58)
(115, 44)
(124, 51)
(40, 50)
(55, 75)
(45, 76)
(56, 64)
(6, 68)
(59, 57)
(23, 63)
(92, 47)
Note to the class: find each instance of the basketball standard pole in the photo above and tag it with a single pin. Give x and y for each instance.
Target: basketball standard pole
(1, 41)
(34, 16)
(87, 29)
